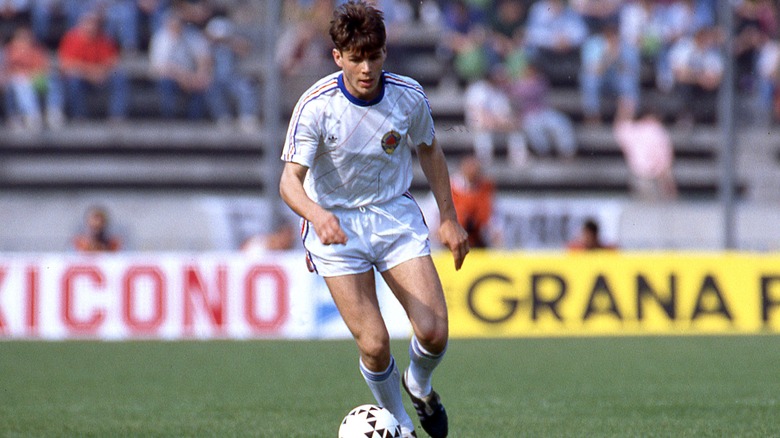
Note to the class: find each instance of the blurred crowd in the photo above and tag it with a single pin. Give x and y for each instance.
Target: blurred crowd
(640, 65)
(63, 60)
(57, 53)
(618, 48)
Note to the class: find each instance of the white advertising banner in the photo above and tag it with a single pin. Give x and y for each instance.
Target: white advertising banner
(171, 296)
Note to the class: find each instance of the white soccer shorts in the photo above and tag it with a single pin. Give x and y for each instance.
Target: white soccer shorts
(381, 236)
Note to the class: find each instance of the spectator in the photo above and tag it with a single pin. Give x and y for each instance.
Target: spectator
(89, 61)
(506, 25)
(643, 25)
(151, 17)
(597, 13)
(683, 17)
(755, 21)
(42, 19)
(123, 23)
(71, 10)
(554, 34)
(4, 89)
(647, 148)
(697, 64)
(589, 238)
(127, 21)
(29, 77)
(477, 55)
(399, 16)
(609, 64)
(120, 18)
(472, 195)
(767, 79)
(95, 236)
(705, 13)
(478, 11)
(489, 115)
(462, 47)
(181, 61)
(195, 12)
(429, 13)
(304, 47)
(547, 129)
(13, 13)
(458, 19)
(230, 83)
(680, 20)
(11, 10)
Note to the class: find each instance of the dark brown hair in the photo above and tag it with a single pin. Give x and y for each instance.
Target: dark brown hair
(359, 27)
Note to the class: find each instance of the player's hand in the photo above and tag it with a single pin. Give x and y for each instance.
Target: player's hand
(454, 237)
(329, 229)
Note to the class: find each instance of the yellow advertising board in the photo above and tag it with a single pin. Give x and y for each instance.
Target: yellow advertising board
(508, 294)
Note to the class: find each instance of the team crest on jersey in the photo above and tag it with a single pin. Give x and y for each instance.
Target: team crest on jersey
(390, 141)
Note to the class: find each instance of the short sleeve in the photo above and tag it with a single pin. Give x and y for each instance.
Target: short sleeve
(302, 140)
(421, 129)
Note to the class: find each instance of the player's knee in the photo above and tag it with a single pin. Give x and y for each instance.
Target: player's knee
(375, 351)
(433, 337)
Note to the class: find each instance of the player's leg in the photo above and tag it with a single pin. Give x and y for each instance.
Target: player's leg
(355, 297)
(417, 286)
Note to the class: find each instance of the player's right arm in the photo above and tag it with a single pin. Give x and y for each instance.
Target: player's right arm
(451, 233)
(325, 223)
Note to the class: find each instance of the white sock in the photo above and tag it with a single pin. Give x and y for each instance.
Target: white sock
(386, 387)
(421, 366)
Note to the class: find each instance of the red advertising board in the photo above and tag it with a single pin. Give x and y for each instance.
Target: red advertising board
(170, 296)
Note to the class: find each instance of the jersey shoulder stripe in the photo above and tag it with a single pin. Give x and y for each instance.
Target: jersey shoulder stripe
(318, 90)
(403, 81)
(323, 87)
(393, 79)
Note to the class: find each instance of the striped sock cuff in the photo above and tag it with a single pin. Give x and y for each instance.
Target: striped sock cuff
(420, 351)
(380, 376)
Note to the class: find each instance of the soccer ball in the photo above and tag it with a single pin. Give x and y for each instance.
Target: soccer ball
(369, 421)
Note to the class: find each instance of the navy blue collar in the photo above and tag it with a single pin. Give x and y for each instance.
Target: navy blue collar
(361, 102)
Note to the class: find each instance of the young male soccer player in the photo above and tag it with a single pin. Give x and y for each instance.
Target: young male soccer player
(347, 172)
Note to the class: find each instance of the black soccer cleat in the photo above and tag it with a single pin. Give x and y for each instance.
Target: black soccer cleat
(433, 416)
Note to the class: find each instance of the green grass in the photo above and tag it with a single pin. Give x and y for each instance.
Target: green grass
(643, 386)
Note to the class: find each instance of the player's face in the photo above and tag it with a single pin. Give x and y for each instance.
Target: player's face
(362, 71)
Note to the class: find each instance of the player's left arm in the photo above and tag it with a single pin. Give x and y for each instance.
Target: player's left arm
(452, 235)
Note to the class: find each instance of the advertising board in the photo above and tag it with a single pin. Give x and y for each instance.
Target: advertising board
(611, 293)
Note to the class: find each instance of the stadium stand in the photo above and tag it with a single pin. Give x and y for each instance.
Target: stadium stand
(145, 155)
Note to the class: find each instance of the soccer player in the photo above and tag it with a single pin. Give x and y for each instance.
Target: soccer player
(347, 172)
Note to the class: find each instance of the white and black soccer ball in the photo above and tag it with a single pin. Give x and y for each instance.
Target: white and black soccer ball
(369, 421)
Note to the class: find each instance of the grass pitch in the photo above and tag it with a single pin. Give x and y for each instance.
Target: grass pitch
(638, 386)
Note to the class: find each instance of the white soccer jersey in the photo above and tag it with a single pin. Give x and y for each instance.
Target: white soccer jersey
(358, 152)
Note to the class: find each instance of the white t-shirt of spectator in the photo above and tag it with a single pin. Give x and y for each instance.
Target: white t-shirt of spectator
(686, 55)
(183, 51)
(484, 103)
